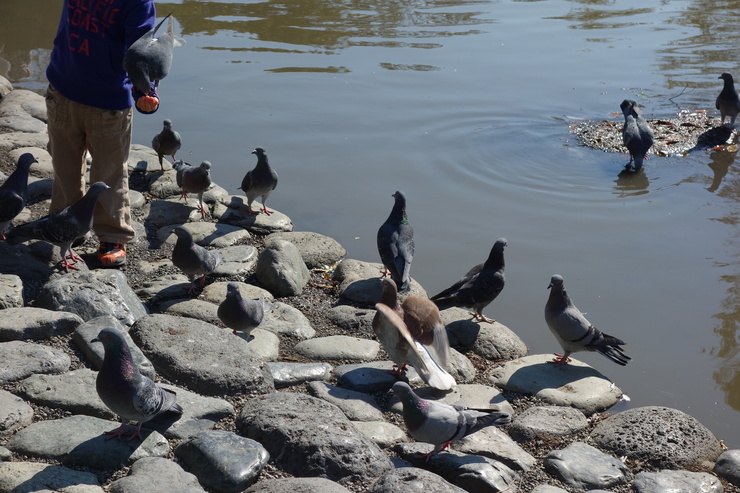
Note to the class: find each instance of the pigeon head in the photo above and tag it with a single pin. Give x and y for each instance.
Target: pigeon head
(113, 343)
(167, 123)
(627, 106)
(26, 160)
(182, 233)
(403, 391)
(232, 290)
(389, 292)
(400, 197)
(556, 281)
(205, 165)
(259, 152)
(727, 78)
(97, 188)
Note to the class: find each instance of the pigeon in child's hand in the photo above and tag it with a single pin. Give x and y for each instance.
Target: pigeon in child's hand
(62, 227)
(166, 143)
(441, 424)
(14, 192)
(259, 182)
(126, 392)
(573, 331)
(193, 179)
(728, 102)
(241, 314)
(636, 134)
(193, 259)
(396, 243)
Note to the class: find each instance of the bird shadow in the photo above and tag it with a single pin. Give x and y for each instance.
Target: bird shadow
(463, 333)
(58, 476)
(632, 183)
(541, 376)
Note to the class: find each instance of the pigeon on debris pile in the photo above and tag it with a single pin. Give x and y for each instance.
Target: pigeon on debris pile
(193, 259)
(166, 143)
(728, 102)
(193, 179)
(259, 182)
(14, 192)
(241, 314)
(62, 227)
(126, 392)
(479, 287)
(573, 331)
(396, 243)
(441, 424)
(636, 134)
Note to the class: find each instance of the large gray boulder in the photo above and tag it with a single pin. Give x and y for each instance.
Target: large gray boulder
(728, 466)
(31, 477)
(157, 474)
(281, 269)
(582, 466)
(413, 479)
(36, 323)
(23, 359)
(316, 249)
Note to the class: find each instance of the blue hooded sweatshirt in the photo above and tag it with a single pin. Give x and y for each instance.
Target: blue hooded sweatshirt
(87, 59)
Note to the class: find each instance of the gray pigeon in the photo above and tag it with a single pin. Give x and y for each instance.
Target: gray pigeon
(62, 227)
(240, 314)
(149, 59)
(14, 191)
(193, 179)
(259, 182)
(479, 287)
(728, 102)
(396, 243)
(166, 143)
(193, 259)
(573, 331)
(441, 424)
(636, 134)
(126, 392)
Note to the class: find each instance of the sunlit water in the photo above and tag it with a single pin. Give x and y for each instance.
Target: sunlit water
(466, 106)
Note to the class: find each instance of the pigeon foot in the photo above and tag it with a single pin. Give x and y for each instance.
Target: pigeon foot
(481, 318)
(267, 211)
(560, 360)
(203, 212)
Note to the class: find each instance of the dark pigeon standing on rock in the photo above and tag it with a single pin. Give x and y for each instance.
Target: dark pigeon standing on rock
(62, 227)
(240, 314)
(166, 143)
(479, 287)
(126, 392)
(14, 191)
(441, 424)
(149, 59)
(728, 102)
(193, 179)
(259, 182)
(573, 331)
(396, 243)
(636, 134)
(193, 259)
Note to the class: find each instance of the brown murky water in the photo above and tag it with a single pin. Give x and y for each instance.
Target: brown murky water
(465, 106)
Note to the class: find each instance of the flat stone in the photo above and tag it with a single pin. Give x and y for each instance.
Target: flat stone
(669, 481)
(460, 367)
(207, 234)
(238, 260)
(287, 321)
(371, 377)
(19, 260)
(13, 140)
(357, 406)
(222, 460)
(543, 421)
(474, 396)
(494, 341)
(494, 443)
(413, 479)
(5, 86)
(352, 319)
(576, 384)
(169, 287)
(11, 291)
(316, 250)
(23, 102)
(73, 392)
(200, 413)
(27, 477)
(81, 440)
(546, 488)
(659, 436)
(289, 374)
(216, 292)
(5, 454)
(384, 434)
(136, 199)
(191, 308)
(14, 413)
(170, 211)
(157, 474)
(281, 269)
(144, 159)
(339, 347)
(205, 358)
(728, 466)
(359, 282)
(23, 359)
(36, 323)
(306, 436)
(233, 211)
(297, 485)
(582, 466)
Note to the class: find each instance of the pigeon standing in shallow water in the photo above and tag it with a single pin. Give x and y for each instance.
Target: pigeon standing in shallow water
(259, 182)
(240, 314)
(149, 59)
(193, 179)
(636, 134)
(14, 191)
(479, 287)
(166, 143)
(62, 227)
(126, 392)
(728, 102)
(396, 243)
(193, 259)
(441, 424)
(573, 331)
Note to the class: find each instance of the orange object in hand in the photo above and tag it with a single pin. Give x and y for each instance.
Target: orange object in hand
(147, 104)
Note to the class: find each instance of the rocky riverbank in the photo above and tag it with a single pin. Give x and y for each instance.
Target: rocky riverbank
(303, 404)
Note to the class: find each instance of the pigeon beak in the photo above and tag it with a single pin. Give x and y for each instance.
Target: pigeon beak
(95, 340)
(549, 286)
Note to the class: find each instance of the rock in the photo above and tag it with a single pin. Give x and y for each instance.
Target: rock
(460, 367)
(157, 474)
(207, 234)
(144, 159)
(233, 210)
(582, 466)
(24, 102)
(297, 485)
(412, 479)
(310, 437)
(136, 200)
(222, 460)
(80, 440)
(494, 443)
(92, 294)
(577, 384)
(280, 269)
(199, 414)
(474, 396)
(205, 358)
(73, 392)
(546, 488)
(338, 347)
(170, 211)
(357, 406)
(191, 308)
(493, 341)
(28, 477)
(659, 436)
(36, 323)
(670, 481)
(371, 377)
(13, 140)
(384, 434)
(5, 86)
(353, 320)
(316, 250)
(168, 287)
(360, 282)
(18, 260)
(288, 321)
(543, 421)
(23, 359)
(11, 291)
(14, 413)
(288, 374)
(728, 466)
(264, 343)
(216, 292)
(238, 260)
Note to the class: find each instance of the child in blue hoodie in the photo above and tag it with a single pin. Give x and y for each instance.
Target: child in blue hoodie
(89, 106)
